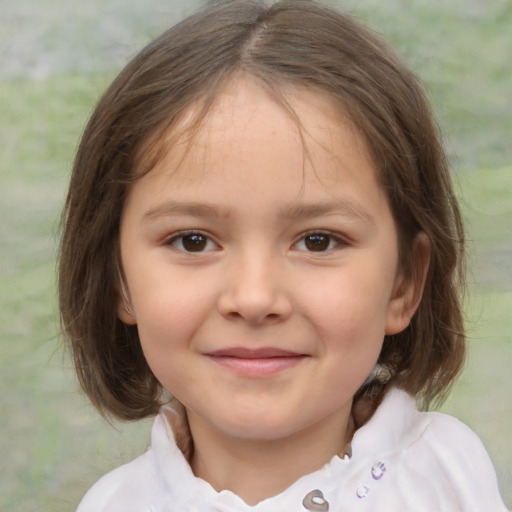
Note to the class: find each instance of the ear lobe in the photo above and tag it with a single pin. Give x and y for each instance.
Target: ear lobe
(124, 312)
(124, 308)
(409, 289)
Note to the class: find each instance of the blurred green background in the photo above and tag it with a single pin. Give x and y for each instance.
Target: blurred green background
(56, 57)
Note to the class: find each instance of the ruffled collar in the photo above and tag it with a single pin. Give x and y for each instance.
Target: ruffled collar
(186, 492)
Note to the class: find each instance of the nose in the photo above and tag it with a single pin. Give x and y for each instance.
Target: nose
(255, 291)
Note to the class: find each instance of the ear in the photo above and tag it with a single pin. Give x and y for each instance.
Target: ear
(125, 313)
(408, 290)
(124, 307)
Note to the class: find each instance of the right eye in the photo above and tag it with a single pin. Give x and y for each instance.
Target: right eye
(319, 242)
(192, 242)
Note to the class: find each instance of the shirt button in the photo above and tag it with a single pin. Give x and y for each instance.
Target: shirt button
(315, 501)
(362, 491)
(378, 470)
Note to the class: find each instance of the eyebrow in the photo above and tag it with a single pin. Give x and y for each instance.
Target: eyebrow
(295, 211)
(170, 208)
(341, 207)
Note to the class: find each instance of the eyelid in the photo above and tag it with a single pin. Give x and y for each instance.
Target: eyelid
(341, 241)
(169, 240)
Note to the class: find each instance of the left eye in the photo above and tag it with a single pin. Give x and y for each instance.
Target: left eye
(192, 242)
(317, 242)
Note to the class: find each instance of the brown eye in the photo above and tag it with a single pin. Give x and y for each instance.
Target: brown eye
(192, 242)
(317, 242)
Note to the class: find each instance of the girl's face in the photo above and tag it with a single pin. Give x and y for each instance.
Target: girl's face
(263, 277)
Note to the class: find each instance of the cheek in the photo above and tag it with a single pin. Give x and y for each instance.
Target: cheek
(168, 318)
(169, 311)
(352, 302)
(167, 327)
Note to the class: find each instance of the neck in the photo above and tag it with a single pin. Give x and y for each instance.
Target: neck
(258, 469)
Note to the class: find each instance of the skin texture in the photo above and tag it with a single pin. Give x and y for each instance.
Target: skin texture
(245, 248)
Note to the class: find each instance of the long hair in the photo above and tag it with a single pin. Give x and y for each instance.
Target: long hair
(296, 42)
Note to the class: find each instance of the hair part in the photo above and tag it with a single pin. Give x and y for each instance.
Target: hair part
(292, 42)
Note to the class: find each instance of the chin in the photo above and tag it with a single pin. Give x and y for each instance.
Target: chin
(259, 428)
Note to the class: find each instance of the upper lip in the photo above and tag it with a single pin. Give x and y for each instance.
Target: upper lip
(249, 353)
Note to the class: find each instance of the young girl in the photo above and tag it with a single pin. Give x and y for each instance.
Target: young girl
(262, 248)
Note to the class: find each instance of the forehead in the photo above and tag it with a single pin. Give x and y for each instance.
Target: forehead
(296, 135)
(306, 117)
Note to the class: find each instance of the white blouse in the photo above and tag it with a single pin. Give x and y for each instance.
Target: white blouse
(402, 460)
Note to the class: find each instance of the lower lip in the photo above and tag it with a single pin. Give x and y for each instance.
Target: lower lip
(258, 367)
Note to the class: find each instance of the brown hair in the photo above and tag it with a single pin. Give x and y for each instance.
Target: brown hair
(291, 42)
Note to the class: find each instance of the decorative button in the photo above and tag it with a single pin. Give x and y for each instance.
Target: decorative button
(378, 470)
(362, 491)
(315, 501)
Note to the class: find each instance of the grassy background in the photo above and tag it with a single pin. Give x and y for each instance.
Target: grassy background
(55, 59)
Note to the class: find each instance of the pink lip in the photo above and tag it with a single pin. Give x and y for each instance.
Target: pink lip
(256, 362)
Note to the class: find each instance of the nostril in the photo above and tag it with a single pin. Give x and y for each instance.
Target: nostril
(254, 315)
(256, 301)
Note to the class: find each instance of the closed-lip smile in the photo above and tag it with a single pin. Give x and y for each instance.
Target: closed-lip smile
(260, 362)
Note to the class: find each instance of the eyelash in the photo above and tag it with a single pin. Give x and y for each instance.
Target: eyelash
(202, 238)
(337, 240)
(182, 235)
